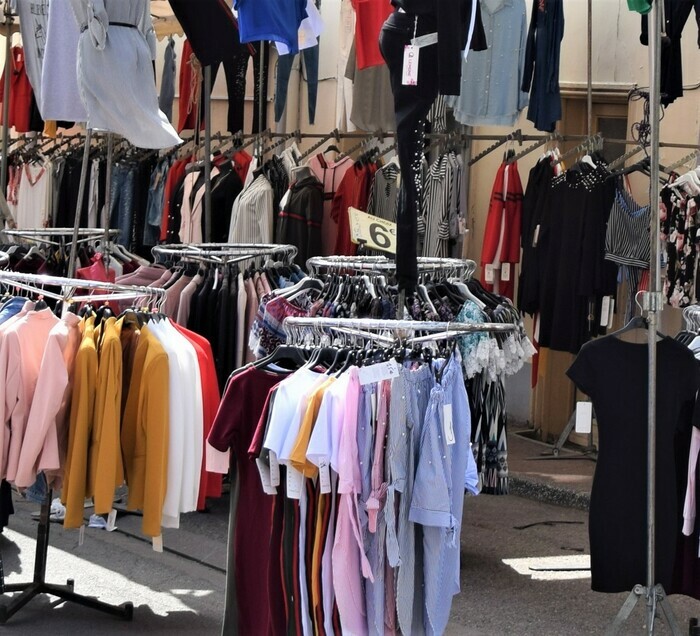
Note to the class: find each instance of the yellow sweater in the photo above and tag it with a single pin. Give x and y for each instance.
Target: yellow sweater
(144, 434)
(81, 420)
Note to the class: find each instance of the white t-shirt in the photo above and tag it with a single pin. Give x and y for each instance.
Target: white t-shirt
(32, 198)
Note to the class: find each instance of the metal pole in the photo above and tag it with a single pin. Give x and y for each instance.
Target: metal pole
(654, 305)
(79, 205)
(230, 625)
(207, 154)
(589, 94)
(107, 207)
(261, 95)
(6, 98)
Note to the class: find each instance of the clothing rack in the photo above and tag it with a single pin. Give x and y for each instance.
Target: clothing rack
(516, 135)
(38, 586)
(41, 235)
(221, 253)
(464, 267)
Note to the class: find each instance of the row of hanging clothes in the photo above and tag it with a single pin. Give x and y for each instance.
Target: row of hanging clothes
(102, 397)
(215, 290)
(364, 287)
(582, 233)
(353, 454)
(47, 251)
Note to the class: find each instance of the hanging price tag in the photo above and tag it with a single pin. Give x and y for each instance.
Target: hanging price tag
(410, 65)
(505, 272)
(584, 417)
(111, 521)
(448, 426)
(295, 482)
(157, 543)
(81, 535)
(264, 471)
(274, 470)
(324, 477)
(488, 273)
(372, 231)
(605, 312)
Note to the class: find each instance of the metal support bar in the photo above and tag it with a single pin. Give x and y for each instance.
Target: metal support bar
(207, 153)
(79, 205)
(6, 99)
(107, 209)
(589, 86)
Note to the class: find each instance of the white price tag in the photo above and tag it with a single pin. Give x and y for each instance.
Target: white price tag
(462, 225)
(274, 470)
(425, 40)
(324, 477)
(536, 236)
(488, 273)
(505, 271)
(81, 535)
(158, 543)
(264, 471)
(295, 481)
(612, 313)
(370, 230)
(605, 311)
(447, 425)
(410, 65)
(584, 417)
(378, 372)
(111, 520)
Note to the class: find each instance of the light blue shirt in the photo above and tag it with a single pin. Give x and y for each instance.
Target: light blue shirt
(491, 79)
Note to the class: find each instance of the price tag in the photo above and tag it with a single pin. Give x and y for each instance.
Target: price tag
(111, 520)
(505, 272)
(274, 470)
(295, 481)
(324, 477)
(448, 427)
(605, 311)
(410, 65)
(378, 372)
(612, 313)
(536, 236)
(157, 543)
(425, 40)
(584, 417)
(264, 471)
(488, 273)
(372, 231)
(81, 535)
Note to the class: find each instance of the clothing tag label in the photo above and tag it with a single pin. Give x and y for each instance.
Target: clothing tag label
(158, 543)
(505, 271)
(612, 313)
(488, 273)
(448, 427)
(410, 65)
(295, 481)
(111, 520)
(462, 225)
(274, 470)
(536, 236)
(605, 311)
(584, 417)
(264, 471)
(324, 477)
(378, 372)
(425, 40)
(81, 535)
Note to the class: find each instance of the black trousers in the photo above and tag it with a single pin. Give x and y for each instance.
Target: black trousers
(411, 105)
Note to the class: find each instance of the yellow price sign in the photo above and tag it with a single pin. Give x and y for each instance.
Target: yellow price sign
(371, 231)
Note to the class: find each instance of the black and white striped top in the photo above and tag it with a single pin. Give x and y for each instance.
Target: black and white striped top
(627, 235)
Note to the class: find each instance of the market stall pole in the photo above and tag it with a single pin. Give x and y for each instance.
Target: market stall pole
(6, 95)
(207, 153)
(652, 302)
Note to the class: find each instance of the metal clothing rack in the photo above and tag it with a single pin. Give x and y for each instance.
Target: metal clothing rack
(45, 235)
(222, 253)
(464, 267)
(38, 585)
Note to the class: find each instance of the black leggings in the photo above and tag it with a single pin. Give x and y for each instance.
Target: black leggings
(411, 105)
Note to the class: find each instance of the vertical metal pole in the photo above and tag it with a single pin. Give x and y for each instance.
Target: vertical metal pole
(6, 98)
(230, 625)
(107, 207)
(79, 205)
(589, 93)
(207, 154)
(466, 181)
(655, 306)
(261, 94)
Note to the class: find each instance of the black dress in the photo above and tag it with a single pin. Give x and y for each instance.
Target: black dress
(614, 374)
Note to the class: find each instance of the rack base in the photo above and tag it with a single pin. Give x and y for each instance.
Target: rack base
(28, 591)
(654, 598)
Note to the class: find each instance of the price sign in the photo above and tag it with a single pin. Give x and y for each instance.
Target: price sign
(372, 231)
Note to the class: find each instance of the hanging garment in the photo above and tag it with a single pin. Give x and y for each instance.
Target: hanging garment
(491, 79)
(370, 16)
(32, 204)
(353, 191)
(344, 87)
(310, 29)
(167, 80)
(33, 22)
(541, 77)
(501, 248)
(115, 71)
(21, 96)
(301, 218)
(614, 374)
(271, 20)
(384, 195)
(330, 174)
(440, 209)
(284, 70)
(252, 212)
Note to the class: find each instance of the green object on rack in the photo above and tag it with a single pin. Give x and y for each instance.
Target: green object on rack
(640, 6)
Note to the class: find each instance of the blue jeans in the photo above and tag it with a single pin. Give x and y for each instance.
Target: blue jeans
(122, 201)
(284, 70)
(154, 207)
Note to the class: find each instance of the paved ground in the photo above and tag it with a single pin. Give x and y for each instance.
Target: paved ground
(178, 594)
